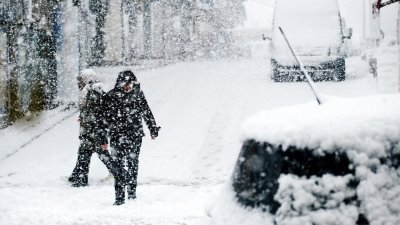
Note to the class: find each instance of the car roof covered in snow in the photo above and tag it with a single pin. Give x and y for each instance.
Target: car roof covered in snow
(368, 125)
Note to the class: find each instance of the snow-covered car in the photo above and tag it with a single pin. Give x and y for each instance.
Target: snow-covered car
(318, 35)
(333, 164)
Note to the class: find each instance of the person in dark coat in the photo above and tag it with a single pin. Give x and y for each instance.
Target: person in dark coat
(93, 130)
(127, 106)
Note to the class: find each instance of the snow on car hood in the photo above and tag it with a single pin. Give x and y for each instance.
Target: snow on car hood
(367, 125)
(367, 129)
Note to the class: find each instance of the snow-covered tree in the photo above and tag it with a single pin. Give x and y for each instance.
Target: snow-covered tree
(99, 8)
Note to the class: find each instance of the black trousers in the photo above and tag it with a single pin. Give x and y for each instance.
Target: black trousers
(127, 153)
(81, 170)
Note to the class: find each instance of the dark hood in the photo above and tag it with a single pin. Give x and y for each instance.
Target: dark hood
(124, 77)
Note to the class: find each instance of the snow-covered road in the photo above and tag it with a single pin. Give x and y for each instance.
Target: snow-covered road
(200, 107)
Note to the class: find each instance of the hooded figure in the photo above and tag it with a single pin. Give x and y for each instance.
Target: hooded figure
(91, 107)
(93, 130)
(126, 108)
(87, 80)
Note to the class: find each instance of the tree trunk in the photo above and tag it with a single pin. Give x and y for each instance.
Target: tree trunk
(147, 28)
(14, 107)
(83, 42)
(99, 8)
(47, 54)
(133, 9)
(38, 102)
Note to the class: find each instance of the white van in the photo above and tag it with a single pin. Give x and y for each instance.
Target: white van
(317, 33)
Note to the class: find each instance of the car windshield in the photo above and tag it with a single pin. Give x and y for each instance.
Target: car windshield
(313, 23)
(312, 27)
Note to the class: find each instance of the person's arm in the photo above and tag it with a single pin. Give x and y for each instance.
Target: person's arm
(102, 123)
(148, 116)
(107, 106)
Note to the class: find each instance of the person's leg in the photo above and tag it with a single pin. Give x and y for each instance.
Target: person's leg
(120, 180)
(84, 156)
(119, 183)
(75, 171)
(110, 175)
(105, 157)
(115, 167)
(133, 166)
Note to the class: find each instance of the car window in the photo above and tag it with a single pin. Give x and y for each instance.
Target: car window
(260, 164)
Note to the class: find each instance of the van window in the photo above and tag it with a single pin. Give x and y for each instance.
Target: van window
(312, 26)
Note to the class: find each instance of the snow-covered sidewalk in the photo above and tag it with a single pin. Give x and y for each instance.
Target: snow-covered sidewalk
(30, 128)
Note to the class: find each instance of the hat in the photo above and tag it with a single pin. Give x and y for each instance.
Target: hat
(87, 76)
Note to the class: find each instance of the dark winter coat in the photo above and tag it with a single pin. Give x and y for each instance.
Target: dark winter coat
(126, 110)
(93, 126)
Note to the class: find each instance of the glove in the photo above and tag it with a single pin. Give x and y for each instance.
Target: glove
(154, 132)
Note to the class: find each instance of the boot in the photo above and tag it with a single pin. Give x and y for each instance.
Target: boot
(119, 194)
(72, 179)
(79, 184)
(131, 196)
(131, 192)
(119, 202)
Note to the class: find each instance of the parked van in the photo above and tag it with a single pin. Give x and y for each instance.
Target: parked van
(317, 34)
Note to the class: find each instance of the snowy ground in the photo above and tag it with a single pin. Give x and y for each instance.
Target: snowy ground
(200, 107)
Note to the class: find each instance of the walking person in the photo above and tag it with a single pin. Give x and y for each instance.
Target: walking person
(93, 133)
(126, 107)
